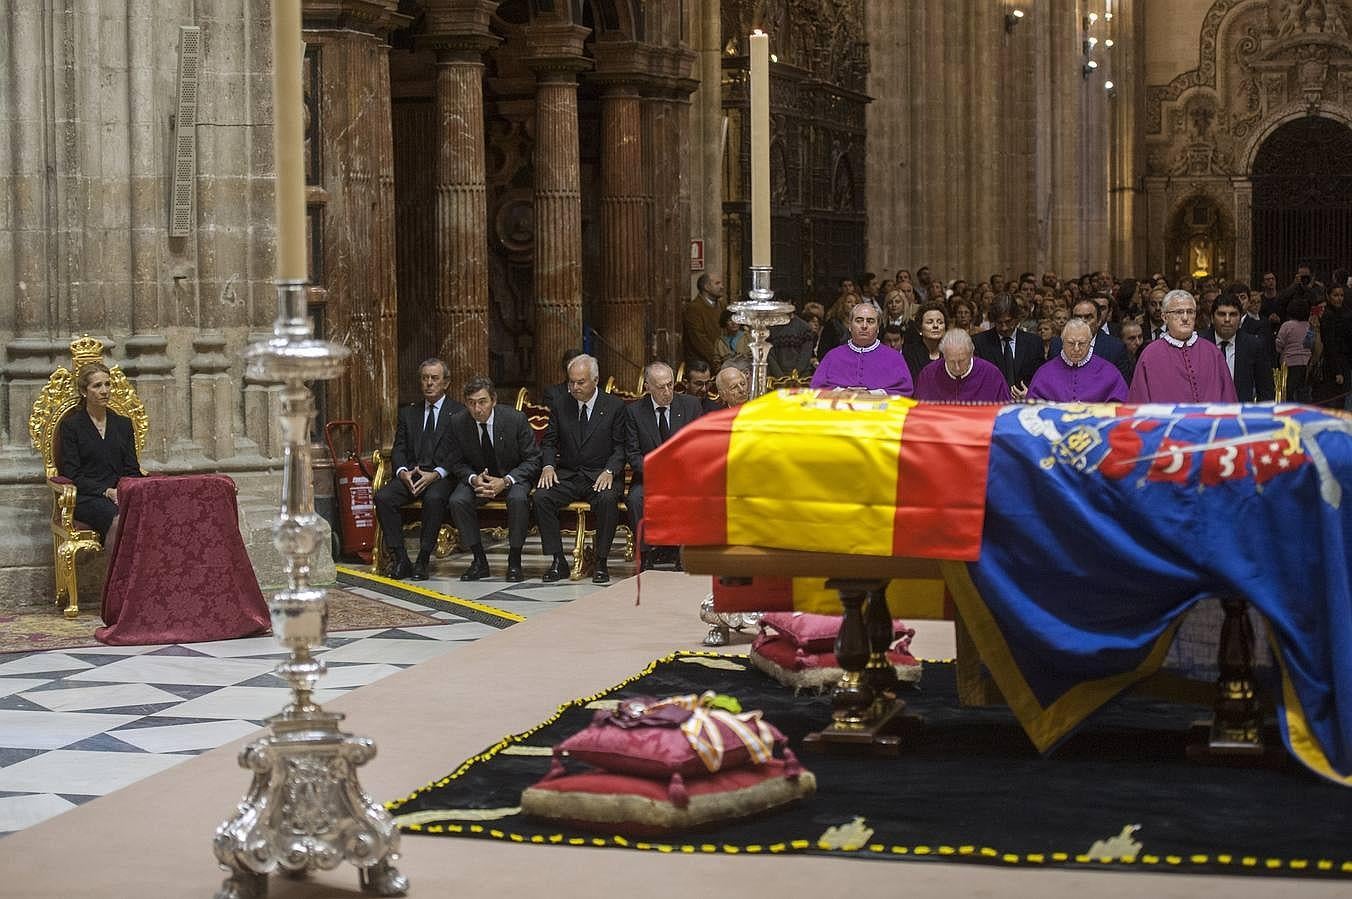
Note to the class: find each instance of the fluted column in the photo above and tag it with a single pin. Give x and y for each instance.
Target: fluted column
(557, 59)
(621, 318)
(461, 315)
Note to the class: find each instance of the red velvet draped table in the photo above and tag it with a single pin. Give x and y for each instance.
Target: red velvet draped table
(178, 572)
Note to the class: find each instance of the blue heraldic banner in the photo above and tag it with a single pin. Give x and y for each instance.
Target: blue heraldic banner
(1104, 524)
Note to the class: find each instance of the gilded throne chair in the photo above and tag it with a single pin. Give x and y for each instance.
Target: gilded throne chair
(61, 396)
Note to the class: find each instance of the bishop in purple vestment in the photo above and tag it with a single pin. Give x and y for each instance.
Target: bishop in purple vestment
(864, 362)
(962, 378)
(1180, 367)
(1077, 375)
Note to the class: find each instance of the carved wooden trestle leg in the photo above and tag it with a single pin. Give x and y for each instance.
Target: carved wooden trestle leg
(1236, 730)
(865, 701)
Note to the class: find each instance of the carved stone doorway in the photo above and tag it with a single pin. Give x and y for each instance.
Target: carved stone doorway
(1302, 199)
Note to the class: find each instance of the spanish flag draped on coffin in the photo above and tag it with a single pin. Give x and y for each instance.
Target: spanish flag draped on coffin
(1074, 536)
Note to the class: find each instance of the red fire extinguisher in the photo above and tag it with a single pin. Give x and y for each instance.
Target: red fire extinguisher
(356, 502)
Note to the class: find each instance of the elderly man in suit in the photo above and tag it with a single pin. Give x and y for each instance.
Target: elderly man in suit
(1017, 353)
(497, 456)
(583, 455)
(1245, 355)
(651, 421)
(422, 457)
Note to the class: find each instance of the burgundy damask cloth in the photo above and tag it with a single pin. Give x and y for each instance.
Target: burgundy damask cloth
(178, 572)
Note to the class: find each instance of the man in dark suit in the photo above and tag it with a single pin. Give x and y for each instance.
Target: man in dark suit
(1105, 345)
(496, 455)
(583, 456)
(422, 457)
(1017, 353)
(651, 421)
(698, 379)
(1244, 354)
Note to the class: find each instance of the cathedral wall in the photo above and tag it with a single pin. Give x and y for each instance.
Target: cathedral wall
(990, 148)
(1172, 27)
(89, 107)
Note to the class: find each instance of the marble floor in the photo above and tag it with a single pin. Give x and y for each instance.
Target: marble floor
(79, 723)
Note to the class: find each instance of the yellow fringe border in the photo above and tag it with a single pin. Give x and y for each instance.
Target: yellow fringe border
(431, 594)
(980, 853)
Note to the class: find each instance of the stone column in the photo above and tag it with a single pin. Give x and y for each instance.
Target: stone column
(1065, 85)
(625, 247)
(352, 163)
(709, 110)
(461, 316)
(1241, 267)
(556, 57)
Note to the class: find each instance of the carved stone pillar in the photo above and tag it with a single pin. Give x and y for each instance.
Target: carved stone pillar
(625, 247)
(556, 58)
(1241, 268)
(460, 319)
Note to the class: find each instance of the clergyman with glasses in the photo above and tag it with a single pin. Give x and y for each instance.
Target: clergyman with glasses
(1180, 367)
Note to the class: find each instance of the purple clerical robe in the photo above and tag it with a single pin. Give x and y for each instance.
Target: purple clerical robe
(874, 368)
(983, 384)
(1193, 373)
(1094, 381)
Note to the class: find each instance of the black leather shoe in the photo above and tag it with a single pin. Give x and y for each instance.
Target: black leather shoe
(420, 570)
(401, 569)
(558, 570)
(602, 576)
(478, 570)
(514, 572)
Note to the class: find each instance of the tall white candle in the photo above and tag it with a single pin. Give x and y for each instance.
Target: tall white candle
(760, 149)
(288, 130)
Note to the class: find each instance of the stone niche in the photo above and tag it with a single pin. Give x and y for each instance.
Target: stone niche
(1261, 64)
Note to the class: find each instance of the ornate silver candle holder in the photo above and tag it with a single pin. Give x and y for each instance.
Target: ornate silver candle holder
(305, 809)
(760, 313)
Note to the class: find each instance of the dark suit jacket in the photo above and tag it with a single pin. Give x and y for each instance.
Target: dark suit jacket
(555, 392)
(1107, 347)
(641, 435)
(96, 463)
(1027, 353)
(601, 446)
(514, 445)
(408, 432)
(1253, 372)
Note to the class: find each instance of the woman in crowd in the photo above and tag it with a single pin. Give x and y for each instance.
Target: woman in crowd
(733, 343)
(923, 349)
(1336, 330)
(97, 449)
(963, 312)
(1296, 341)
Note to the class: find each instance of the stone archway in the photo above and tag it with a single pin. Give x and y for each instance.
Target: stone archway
(1302, 198)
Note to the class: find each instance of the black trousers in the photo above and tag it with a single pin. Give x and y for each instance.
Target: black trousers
(96, 511)
(395, 495)
(634, 502)
(465, 514)
(577, 487)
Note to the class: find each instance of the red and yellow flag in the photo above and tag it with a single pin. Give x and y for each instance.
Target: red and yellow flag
(807, 471)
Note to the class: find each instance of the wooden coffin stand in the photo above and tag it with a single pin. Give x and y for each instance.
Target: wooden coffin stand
(866, 712)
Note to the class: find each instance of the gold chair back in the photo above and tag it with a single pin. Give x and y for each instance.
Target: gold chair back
(59, 398)
(1279, 382)
(61, 395)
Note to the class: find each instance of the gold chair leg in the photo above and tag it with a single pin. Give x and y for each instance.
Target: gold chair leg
(580, 548)
(66, 565)
(628, 545)
(379, 560)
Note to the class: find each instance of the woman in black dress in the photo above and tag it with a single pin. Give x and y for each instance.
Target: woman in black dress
(97, 448)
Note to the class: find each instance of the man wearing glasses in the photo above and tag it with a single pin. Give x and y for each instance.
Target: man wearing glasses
(1180, 367)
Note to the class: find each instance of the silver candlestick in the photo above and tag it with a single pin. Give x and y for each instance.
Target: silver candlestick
(305, 809)
(759, 313)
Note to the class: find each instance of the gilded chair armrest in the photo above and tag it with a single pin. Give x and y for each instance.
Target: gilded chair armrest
(63, 502)
(381, 460)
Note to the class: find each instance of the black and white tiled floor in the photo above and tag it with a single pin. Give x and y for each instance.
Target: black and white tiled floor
(80, 723)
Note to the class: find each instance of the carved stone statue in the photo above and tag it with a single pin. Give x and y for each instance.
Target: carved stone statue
(1310, 17)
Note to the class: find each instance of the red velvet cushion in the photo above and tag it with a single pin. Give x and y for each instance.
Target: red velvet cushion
(660, 751)
(619, 803)
(817, 633)
(784, 653)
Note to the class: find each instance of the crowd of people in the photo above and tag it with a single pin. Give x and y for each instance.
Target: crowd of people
(1018, 324)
